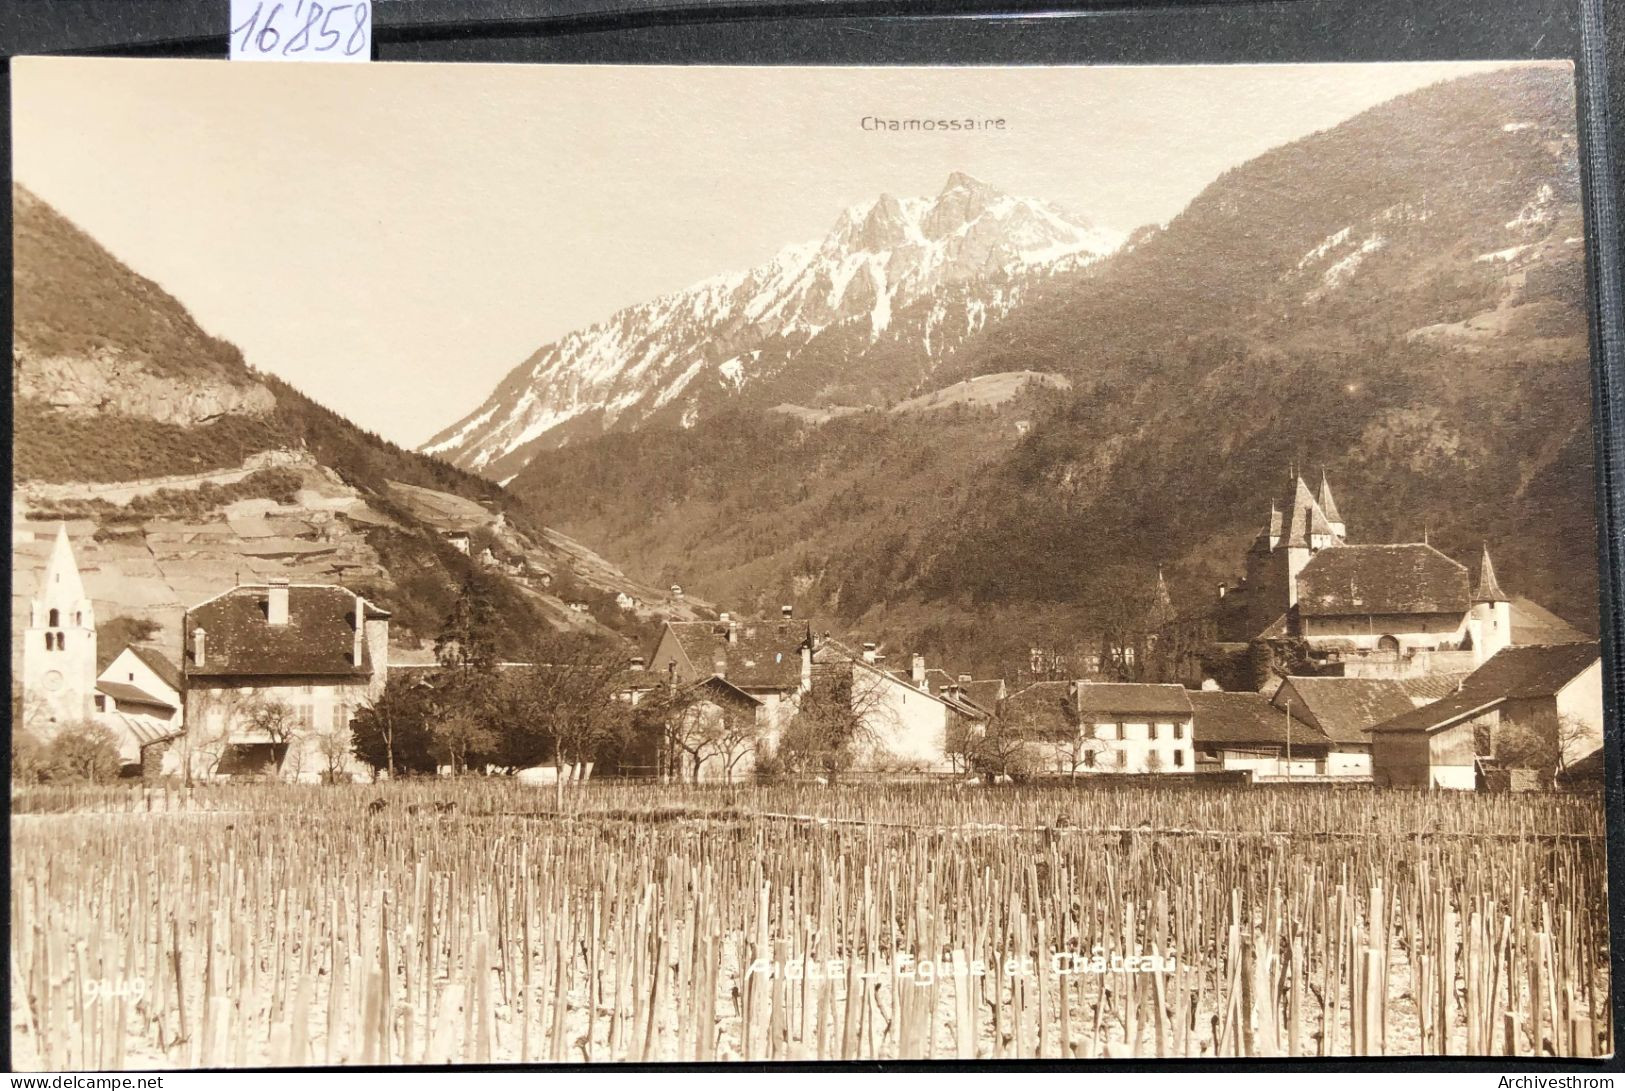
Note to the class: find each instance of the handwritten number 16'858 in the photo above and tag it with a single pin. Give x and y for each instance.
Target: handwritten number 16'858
(317, 34)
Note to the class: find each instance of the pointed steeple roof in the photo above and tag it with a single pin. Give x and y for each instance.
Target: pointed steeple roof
(62, 583)
(1303, 515)
(1162, 604)
(1328, 506)
(1488, 590)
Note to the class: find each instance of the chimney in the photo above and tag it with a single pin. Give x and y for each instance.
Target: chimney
(276, 606)
(198, 639)
(360, 633)
(916, 670)
(733, 630)
(806, 666)
(963, 678)
(1223, 589)
(787, 611)
(676, 591)
(724, 617)
(869, 651)
(637, 662)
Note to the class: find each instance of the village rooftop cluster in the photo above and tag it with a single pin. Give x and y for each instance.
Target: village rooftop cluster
(1341, 661)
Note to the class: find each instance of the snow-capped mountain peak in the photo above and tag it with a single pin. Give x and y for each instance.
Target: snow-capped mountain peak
(877, 259)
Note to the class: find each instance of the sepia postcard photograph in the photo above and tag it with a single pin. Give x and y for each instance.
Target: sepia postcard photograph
(561, 565)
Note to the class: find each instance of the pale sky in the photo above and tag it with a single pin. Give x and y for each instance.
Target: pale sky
(394, 238)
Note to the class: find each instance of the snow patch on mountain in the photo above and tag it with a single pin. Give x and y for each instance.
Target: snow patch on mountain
(875, 261)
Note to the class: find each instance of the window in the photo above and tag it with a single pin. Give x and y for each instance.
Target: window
(1089, 759)
(101, 703)
(1152, 731)
(1179, 759)
(50, 641)
(54, 618)
(1121, 733)
(78, 618)
(1122, 759)
(1179, 732)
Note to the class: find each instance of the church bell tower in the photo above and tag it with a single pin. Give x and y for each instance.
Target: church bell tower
(59, 648)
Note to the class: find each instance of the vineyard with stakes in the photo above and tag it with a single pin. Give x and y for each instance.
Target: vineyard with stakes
(471, 922)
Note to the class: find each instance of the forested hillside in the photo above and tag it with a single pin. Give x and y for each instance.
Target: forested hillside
(1399, 299)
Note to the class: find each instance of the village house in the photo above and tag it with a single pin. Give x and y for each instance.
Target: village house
(1550, 695)
(907, 728)
(1344, 710)
(771, 661)
(1104, 727)
(139, 695)
(313, 653)
(1244, 731)
(1385, 610)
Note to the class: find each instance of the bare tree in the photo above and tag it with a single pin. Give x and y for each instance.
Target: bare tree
(843, 720)
(566, 704)
(279, 722)
(1546, 743)
(458, 734)
(212, 714)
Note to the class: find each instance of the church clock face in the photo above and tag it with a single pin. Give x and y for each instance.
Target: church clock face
(53, 680)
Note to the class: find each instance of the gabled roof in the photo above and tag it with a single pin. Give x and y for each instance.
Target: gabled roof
(1350, 580)
(1040, 708)
(763, 654)
(1247, 719)
(1538, 670)
(1534, 624)
(984, 692)
(721, 687)
(1425, 688)
(1526, 673)
(1131, 699)
(1344, 708)
(318, 638)
(158, 662)
(126, 694)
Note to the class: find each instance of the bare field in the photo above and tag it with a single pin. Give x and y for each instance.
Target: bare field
(446, 922)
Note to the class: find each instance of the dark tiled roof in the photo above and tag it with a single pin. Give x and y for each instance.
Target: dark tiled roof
(984, 693)
(764, 655)
(1512, 673)
(1247, 718)
(1039, 709)
(1539, 670)
(316, 640)
(159, 663)
(1346, 708)
(721, 689)
(1382, 579)
(1132, 698)
(1534, 624)
(126, 694)
(1425, 688)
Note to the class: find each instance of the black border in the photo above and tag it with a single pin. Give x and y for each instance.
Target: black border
(1591, 33)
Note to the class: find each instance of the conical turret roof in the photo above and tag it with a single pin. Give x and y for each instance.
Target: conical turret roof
(1488, 589)
(1303, 515)
(1328, 506)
